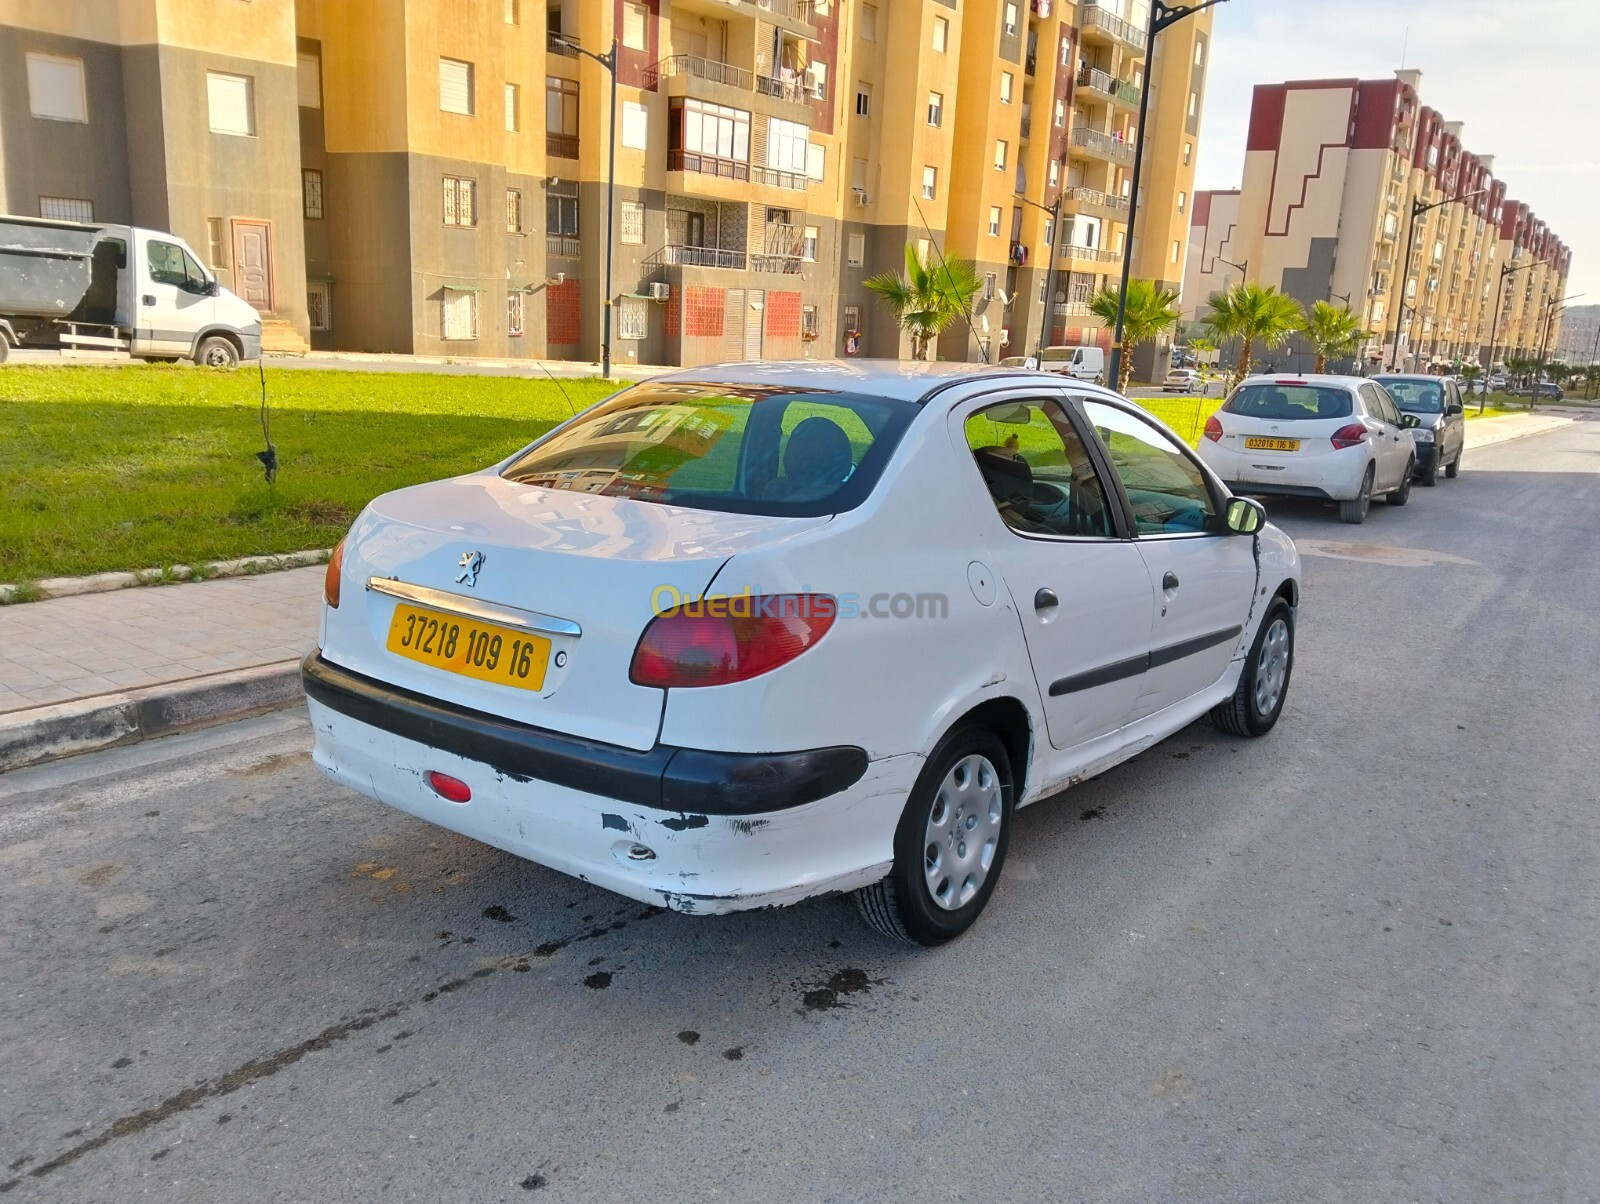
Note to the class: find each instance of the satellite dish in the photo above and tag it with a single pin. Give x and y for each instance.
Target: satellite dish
(1005, 297)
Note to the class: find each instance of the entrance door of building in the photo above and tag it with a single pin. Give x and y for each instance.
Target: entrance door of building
(733, 322)
(754, 311)
(252, 262)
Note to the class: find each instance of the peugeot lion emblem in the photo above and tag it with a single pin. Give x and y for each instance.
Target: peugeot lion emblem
(470, 563)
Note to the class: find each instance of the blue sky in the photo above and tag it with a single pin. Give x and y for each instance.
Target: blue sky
(1520, 73)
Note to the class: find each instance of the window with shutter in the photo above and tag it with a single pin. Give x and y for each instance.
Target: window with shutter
(455, 86)
(308, 80)
(513, 109)
(460, 314)
(635, 26)
(231, 99)
(55, 88)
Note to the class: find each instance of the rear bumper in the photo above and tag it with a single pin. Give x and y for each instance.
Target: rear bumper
(1331, 475)
(723, 832)
(1276, 489)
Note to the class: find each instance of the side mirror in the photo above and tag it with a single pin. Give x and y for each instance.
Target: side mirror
(1452, 409)
(1409, 420)
(213, 289)
(1245, 515)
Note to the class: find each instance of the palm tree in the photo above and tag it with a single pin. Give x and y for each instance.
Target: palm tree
(1149, 313)
(927, 300)
(1252, 314)
(1332, 330)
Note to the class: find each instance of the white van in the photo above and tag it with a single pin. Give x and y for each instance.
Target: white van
(1080, 363)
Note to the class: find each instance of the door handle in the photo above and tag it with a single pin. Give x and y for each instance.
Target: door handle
(1045, 600)
(1170, 581)
(148, 299)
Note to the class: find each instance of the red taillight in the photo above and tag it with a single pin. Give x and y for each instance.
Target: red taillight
(330, 578)
(745, 637)
(1349, 436)
(1213, 430)
(447, 787)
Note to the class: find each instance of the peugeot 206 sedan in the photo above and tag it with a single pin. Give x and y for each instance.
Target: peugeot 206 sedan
(746, 635)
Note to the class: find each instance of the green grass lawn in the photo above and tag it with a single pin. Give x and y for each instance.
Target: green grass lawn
(151, 465)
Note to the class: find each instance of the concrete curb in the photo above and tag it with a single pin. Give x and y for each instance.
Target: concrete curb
(99, 583)
(88, 724)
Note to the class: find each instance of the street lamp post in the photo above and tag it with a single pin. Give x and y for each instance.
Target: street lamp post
(1161, 16)
(609, 62)
(1494, 326)
(1054, 210)
(1417, 210)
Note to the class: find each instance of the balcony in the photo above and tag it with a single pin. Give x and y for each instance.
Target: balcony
(1101, 145)
(773, 178)
(1095, 203)
(555, 43)
(1092, 19)
(561, 246)
(1109, 87)
(677, 255)
(787, 265)
(561, 146)
(1019, 254)
(1073, 309)
(792, 90)
(1090, 254)
(694, 66)
(707, 165)
(795, 15)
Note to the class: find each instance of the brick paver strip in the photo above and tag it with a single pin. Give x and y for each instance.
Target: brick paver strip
(66, 648)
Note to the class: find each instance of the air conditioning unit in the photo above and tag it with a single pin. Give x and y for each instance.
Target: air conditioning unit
(863, 198)
(658, 291)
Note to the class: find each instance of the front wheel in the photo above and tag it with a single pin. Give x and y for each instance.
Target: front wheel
(1264, 681)
(1430, 474)
(1355, 511)
(1402, 495)
(1454, 466)
(217, 352)
(950, 843)
(5, 348)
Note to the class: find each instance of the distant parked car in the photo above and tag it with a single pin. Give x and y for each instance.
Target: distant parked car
(1440, 433)
(1080, 363)
(1336, 437)
(1018, 361)
(1497, 383)
(1181, 380)
(1475, 387)
(1545, 388)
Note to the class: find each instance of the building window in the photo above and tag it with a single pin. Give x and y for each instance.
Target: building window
(935, 108)
(930, 183)
(514, 302)
(713, 131)
(308, 80)
(787, 145)
(635, 126)
(455, 86)
(994, 221)
(633, 223)
(311, 194)
(1188, 152)
(1000, 150)
(863, 100)
(1194, 103)
(852, 319)
(66, 209)
(1061, 113)
(55, 88)
(631, 318)
(869, 22)
(808, 245)
(816, 160)
(1177, 249)
(1007, 82)
(459, 316)
(635, 26)
(1199, 52)
(1054, 173)
(1183, 199)
(317, 305)
(460, 201)
(856, 253)
(809, 328)
(513, 211)
(218, 245)
(1011, 21)
(561, 117)
(513, 108)
(941, 34)
(513, 13)
(232, 103)
(561, 210)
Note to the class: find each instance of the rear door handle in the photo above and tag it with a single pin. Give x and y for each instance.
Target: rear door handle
(1170, 581)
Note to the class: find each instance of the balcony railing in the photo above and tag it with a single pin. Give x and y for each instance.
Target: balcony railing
(1072, 309)
(715, 71)
(1093, 198)
(795, 10)
(707, 165)
(1108, 86)
(1092, 16)
(792, 90)
(1116, 149)
(789, 265)
(561, 146)
(557, 44)
(678, 255)
(1090, 254)
(773, 178)
(561, 246)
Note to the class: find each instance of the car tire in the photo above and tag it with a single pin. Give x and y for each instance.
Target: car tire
(965, 791)
(1454, 467)
(1264, 681)
(1402, 495)
(1355, 510)
(1430, 476)
(5, 348)
(217, 352)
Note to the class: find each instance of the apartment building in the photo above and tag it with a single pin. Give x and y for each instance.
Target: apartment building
(1333, 170)
(436, 176)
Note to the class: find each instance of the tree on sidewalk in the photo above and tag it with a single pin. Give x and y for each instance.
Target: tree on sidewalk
(1150, 312)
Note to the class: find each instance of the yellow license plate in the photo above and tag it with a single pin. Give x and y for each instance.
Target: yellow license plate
(486, 651)
(1263, 444)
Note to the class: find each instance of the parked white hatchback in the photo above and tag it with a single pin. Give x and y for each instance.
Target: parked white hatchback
(745, 635)
(1336, 437)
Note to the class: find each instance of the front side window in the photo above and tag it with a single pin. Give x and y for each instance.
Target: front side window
(1165, 486)
(745, 450)
(1414, 396)
(1038, 471)
(168, 263)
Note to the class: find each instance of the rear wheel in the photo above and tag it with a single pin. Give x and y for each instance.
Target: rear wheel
(216, 352)
(1402, 495)
(1264, 681)
(5, 348)
(1355, 511)
(950, 844)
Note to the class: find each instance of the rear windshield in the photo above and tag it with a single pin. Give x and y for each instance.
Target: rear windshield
(749, 449)
(1289, 401)
(1417, 396)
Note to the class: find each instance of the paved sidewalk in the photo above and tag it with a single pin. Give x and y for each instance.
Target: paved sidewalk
(71, 648)
(1483, 431)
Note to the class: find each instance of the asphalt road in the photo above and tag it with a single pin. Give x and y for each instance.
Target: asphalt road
(1356, 960)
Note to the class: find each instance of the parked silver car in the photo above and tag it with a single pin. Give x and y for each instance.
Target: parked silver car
(1440, 433)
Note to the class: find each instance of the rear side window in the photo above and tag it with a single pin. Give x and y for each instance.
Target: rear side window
(1417, 396)
(1281, 401)
(748, 449)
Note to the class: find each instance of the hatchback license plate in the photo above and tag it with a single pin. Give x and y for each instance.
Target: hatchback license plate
(486, 651)
(1260, 443)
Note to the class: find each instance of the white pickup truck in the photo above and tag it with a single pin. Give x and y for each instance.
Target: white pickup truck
(117, 288)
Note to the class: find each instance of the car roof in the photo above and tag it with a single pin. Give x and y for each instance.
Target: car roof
(1408, 376)
(1304, 378)
(901, 380)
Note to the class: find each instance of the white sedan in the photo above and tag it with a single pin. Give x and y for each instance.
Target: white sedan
(746, 635)
(1181, 380)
